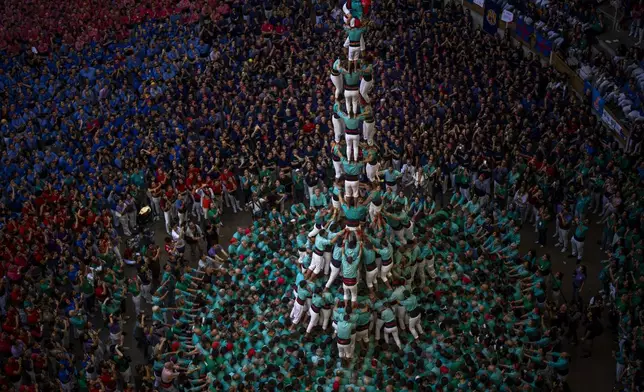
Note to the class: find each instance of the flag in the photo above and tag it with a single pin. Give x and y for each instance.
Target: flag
(598, 101)
(491, 17)
(524, 31)
(543, 45)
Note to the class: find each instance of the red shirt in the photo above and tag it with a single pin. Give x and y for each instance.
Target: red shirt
(267, 28)
(11, 368)
(99, 292)
(5, 346)
(216, 188)
(33, 317)
(161, 177)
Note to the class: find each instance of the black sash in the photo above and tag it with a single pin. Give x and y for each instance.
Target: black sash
(350, 281)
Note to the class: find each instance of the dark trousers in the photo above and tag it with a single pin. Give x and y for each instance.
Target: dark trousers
(543, 236)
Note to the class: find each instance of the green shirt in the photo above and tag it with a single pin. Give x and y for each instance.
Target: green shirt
(410, 303)
(344, 329)
(388, 315)
(352, 168)
(580, 232)
(350, 270)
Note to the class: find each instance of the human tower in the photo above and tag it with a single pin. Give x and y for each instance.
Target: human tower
(346, 249)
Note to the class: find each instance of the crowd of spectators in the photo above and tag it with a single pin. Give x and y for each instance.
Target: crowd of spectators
(231, 106)
(573, 27)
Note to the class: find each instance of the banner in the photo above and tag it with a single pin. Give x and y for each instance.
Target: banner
(543, 45)
(491, 17)
(507, 16)
(613, 124)
(524, 31)
(598, 102)
(480, 3)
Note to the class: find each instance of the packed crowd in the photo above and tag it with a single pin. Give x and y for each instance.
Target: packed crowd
(391, 209)
(568, 24)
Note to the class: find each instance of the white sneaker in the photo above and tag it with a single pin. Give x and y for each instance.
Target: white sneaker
(555, 235)
(558, 244)
(564, 250)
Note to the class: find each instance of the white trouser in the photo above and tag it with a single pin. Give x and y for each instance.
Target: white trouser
(337, 166)
(372, 170)
(317, 263)
(182, 218)
(117, 252)
(368, 131)
(363, 336)
(344, 350)
(146, 292)
(393, 332)
(231, 200)
(414, 326)
(338, 128)
(137, 303)
(374, 210)
(338, 83)
(409, 231)
(420, 268)
(327, 263)
(115, 218)
(350, 292)
(168, 221)
(402, 316)
(385, 271)
(311, 191)
(351, 188)
(314, 231)
(365, 89)
(156, 205)
(131, 217)
(313, 322)
(371, 277)
(123, 220)
(196, 209)
(347, 44)
(430, 268)
(297, 312)
(379, 325)
(354, 53)
(353, 146)
(335, 271)
(577, 248)
(326, 316)
(563, 237)
(466, 193)
(351, 97)
(396, 163)
(335, 204)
